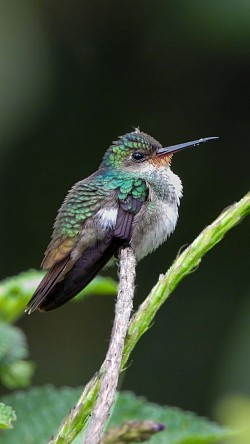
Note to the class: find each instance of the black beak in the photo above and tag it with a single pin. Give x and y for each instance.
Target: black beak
(182, 146)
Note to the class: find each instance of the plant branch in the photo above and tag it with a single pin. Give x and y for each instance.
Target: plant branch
(113, 358)
(185, 263)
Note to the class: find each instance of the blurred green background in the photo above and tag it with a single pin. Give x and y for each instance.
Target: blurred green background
(75, 75)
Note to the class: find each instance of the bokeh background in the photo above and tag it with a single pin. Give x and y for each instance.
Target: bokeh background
(75, 75)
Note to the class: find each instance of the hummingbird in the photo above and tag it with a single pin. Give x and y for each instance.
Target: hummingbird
(132, 199)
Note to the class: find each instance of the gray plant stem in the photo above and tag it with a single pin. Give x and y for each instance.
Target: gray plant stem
(113, 358)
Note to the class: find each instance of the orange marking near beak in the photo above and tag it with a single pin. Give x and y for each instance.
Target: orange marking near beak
(160, 161)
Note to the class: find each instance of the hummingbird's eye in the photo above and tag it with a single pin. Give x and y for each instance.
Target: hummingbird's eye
(138, 156)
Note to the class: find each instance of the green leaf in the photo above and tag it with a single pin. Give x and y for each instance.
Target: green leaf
(7, 415)
(18, 374)
(13, 344)
(40, 411)
(15, 292)
(234, 411)
(14, 371)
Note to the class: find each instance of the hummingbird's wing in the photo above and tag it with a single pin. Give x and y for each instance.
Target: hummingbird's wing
(70, 271)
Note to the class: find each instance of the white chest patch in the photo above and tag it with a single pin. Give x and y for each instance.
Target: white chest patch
(107, 217)
(153, 229)
(158, 218)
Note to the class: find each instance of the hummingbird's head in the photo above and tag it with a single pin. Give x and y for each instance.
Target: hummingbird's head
(139, 152)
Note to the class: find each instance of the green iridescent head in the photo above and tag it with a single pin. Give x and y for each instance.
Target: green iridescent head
(132, 147)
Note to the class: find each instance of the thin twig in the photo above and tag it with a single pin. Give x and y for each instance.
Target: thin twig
(113, 358)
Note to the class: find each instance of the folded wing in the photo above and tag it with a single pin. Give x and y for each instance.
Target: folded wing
(60, 284)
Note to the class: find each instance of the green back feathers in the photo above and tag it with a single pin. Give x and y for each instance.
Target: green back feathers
(89, 195)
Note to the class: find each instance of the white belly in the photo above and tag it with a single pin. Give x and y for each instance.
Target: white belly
(153, 229)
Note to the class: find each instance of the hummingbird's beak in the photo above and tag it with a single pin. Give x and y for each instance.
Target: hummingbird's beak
(182, 146)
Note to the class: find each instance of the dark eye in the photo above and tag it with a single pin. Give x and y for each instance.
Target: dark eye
(138, 156)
